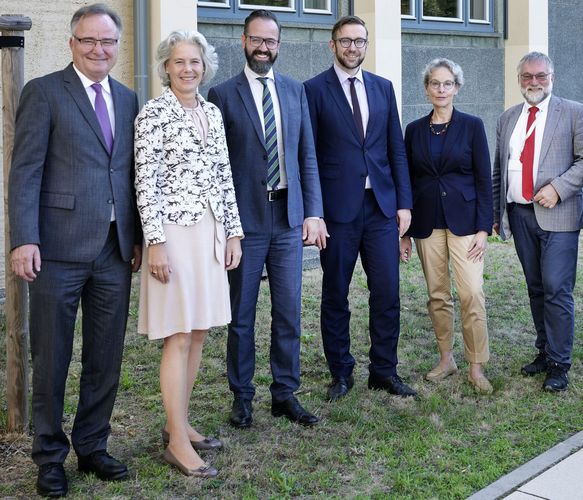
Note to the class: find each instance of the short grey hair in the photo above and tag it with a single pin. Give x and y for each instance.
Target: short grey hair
(96, 9)
(535, 57)
(210, 59)
(441, 62)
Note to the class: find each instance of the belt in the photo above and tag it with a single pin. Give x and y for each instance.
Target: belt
(277, 194)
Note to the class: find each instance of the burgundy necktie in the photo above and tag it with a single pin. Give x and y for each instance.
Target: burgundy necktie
(103, 115)
(356, 109)
(527, 157)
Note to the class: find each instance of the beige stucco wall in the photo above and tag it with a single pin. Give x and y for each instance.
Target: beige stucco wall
(46, 49)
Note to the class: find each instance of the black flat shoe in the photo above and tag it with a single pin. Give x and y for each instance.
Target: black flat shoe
(292, 409)
(339, 387)
(241, 413)
(557, 379)
(393, 385)
(51, 481)
(539, 365)
(103, 465)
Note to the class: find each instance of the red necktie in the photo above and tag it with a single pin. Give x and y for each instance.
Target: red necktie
(527, 157)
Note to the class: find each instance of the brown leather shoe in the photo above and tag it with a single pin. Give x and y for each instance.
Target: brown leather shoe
(205, 470)
(481, 384)
(208, 443)
(439, 373)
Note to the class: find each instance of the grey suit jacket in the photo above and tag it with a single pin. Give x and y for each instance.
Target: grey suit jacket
(248, 155)
(560, 164)
(63, 181)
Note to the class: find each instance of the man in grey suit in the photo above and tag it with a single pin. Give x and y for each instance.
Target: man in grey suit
(271, 149)
(538, 198)
(74, 238)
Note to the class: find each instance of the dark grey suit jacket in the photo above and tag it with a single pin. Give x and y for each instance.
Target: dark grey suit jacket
(63, 181)
(248, 155)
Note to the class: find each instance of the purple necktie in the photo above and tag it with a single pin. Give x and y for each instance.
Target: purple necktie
(356, 109)
(103, 115)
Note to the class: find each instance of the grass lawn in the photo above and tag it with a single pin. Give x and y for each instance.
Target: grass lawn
(446, 444)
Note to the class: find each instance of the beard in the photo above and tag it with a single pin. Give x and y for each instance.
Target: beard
(260, 67)
(343, 60)
(535, 95)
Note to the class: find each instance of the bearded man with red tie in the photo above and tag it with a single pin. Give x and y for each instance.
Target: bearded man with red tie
(538, 198)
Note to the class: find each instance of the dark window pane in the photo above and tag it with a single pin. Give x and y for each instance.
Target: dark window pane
(316, 5)
(478, 10)
(441, 8)
(406, 8)
(267, 3)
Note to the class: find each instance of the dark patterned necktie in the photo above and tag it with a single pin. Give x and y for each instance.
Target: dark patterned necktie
(270, 136)
(356, 109)
(103, 115)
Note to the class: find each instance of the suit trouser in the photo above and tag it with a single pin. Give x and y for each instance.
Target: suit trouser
(435, 253)
(376, 238)
(103, 288)
(280, 249)
(549, 263)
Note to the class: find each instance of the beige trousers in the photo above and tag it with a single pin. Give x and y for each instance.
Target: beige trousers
(435, 253)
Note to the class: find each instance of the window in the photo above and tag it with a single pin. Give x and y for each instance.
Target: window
(318, 11)
(457, 15)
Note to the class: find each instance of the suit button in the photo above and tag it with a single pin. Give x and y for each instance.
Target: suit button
(111, 170)
(443, 193)
(109, 202)
(265, 157)
(264, 183)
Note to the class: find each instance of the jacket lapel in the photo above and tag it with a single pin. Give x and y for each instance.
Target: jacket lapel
(282, 97)
(554, 111)
(451, 137)
(75, 88)
(249, 105)
(335, 90)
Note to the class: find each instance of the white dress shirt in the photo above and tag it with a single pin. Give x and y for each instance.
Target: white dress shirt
(343, 77)
(515, 146)
(257, 91)
(108, 101)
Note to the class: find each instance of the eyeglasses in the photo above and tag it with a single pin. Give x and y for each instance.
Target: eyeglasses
(436, 84)
(257, 41)
(359, 43)
(106, 43)
(541, 77)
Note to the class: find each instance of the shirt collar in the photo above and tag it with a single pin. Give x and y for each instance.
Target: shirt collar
(252, 76)
(87, 82)
(343, 75)
(542, 106)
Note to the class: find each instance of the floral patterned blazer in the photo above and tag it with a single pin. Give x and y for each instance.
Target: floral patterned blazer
(177, 175)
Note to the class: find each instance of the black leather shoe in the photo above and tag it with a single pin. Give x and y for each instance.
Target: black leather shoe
(292, 409)
(51, 480)
(539, 365)
(557, 379)
(103, 465)
(241, 413)
(393, 385)
(339, 387)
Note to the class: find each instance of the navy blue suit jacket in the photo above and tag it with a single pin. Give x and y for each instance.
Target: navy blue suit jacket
(248, 155)
(463, 180)
(344, 162)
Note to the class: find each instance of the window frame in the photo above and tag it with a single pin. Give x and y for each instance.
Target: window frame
(298, 13)
(463, 23)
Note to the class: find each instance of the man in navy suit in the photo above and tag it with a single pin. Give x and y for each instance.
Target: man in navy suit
(367, 201)
(71, 201)
(275, 174)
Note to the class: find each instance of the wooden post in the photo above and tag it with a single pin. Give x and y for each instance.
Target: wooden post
(12, 42)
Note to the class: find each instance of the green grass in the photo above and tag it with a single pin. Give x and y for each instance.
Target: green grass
(446, 444)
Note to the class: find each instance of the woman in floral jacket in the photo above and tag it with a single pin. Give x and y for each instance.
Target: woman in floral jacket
(191, 226)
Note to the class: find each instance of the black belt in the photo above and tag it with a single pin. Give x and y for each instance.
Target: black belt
(277, 194)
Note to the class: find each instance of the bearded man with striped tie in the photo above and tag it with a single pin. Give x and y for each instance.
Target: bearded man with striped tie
(271, 149)
(538, 198)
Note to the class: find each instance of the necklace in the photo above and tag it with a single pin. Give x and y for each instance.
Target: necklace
(442, 131)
